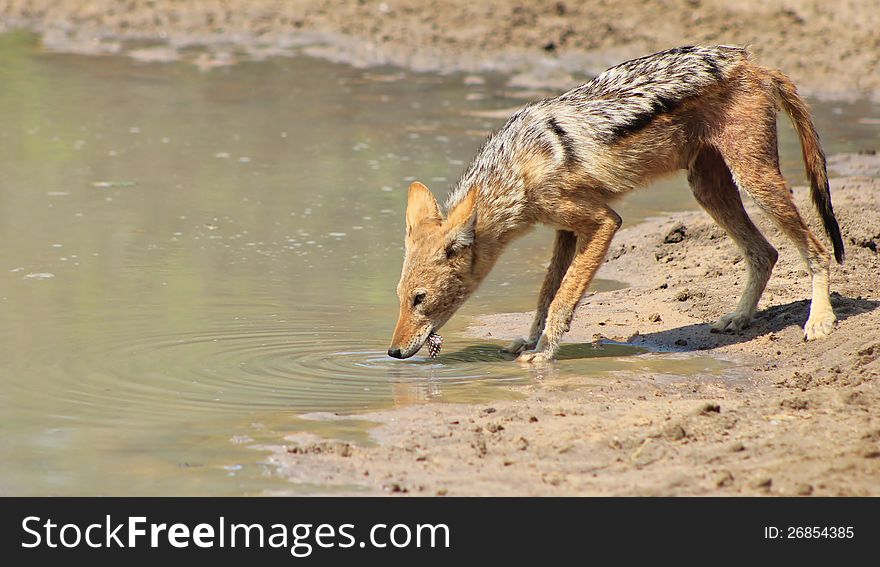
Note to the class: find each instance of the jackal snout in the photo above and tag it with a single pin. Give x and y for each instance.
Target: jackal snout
(436, 277)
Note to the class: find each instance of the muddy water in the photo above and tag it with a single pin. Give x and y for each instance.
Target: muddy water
(193, 261)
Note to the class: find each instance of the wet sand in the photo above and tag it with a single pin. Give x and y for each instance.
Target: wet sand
(791, 418)
(829, 49)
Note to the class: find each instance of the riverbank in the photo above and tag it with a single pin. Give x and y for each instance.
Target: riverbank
(789, 418)
(831, 50)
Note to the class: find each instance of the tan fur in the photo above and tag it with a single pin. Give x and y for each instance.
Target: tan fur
(548, 168)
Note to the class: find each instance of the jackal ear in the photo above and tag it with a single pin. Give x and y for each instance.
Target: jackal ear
(421, 207)
(461, 225)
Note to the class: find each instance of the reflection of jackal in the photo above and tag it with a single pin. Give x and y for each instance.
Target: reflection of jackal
(561, 161)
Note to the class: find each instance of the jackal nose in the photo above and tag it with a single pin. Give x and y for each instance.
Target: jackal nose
(394, 353)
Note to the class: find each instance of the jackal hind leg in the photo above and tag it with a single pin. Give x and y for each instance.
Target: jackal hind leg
(758, 173)
(594, 225)
(564, 249)
(715, 190)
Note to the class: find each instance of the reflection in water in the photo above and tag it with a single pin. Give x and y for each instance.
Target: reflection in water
(191, 261)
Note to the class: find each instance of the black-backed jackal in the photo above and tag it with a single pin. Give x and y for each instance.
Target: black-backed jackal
(562, 161)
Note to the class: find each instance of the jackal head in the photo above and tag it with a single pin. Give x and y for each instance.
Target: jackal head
(437, 274)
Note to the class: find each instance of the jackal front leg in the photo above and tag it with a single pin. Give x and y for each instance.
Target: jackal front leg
(594, 225)
(564, 249)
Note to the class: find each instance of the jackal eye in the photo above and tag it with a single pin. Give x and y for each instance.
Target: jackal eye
(419, 298)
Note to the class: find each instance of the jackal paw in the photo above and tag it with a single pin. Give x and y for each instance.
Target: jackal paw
(535, 357)
(819, 325)
(731, 322)
(518, 345)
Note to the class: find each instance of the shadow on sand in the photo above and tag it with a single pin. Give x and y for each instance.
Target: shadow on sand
(771, 320)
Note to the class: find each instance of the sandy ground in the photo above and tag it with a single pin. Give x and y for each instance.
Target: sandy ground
(793, 418)
(831, 49)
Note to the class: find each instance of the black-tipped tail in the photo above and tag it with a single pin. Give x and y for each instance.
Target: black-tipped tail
(814, 157)
(822, 201)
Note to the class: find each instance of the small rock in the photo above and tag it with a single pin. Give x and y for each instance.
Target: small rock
(801, 381)
(617, 252)
(724, 479)
(674, 432)
(677, 234)
(795, 403)
(654, 318)
(683, 295)
(709, 407)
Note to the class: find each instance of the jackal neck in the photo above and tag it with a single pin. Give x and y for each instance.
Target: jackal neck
(496, 227)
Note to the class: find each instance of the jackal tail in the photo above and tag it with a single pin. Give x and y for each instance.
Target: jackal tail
(814, 158)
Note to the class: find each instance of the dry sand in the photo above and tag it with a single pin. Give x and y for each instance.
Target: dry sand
(831, 49)
(799, 419)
